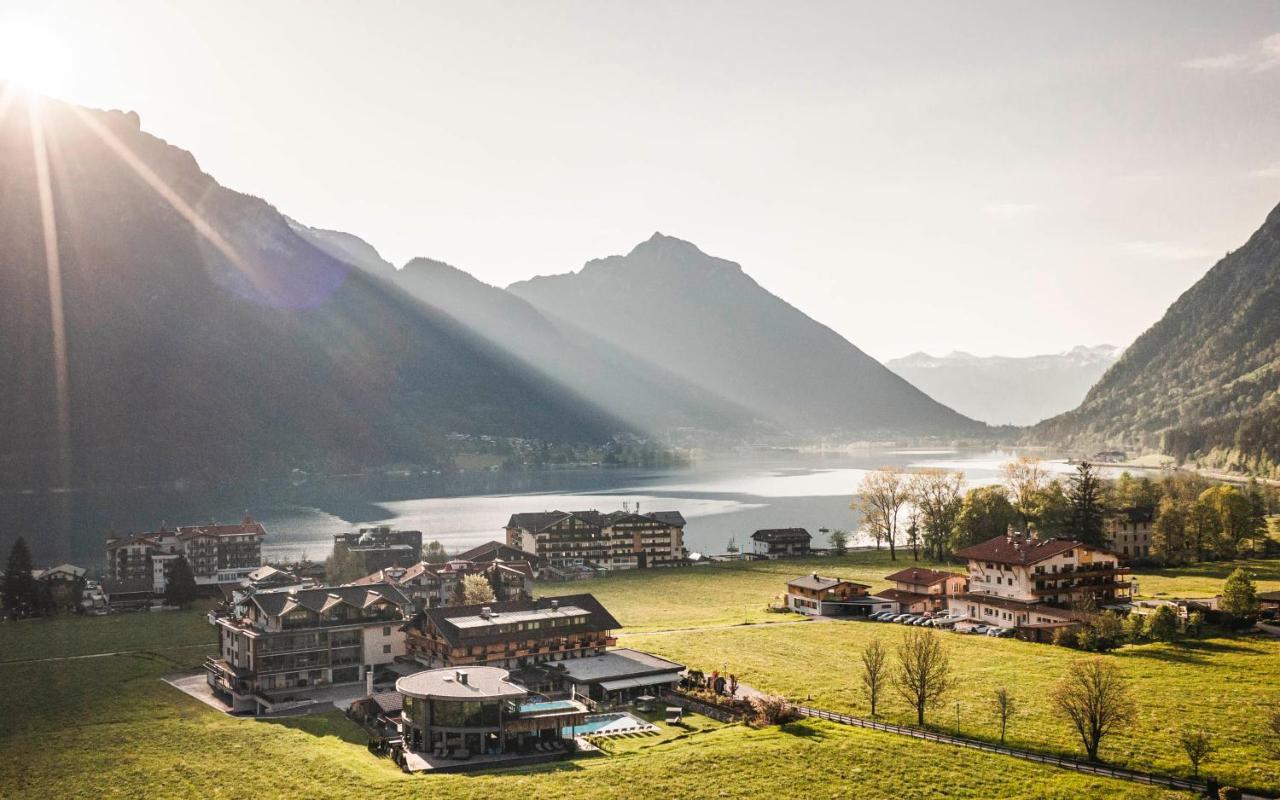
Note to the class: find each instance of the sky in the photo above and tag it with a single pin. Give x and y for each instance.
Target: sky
(999, 178)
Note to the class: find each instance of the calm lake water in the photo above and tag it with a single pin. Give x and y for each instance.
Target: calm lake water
(721, 498)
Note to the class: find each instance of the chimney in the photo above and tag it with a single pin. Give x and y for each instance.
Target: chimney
(486, 612)
(815, 576)
(461, 676)
(555, 605)
(368, 682)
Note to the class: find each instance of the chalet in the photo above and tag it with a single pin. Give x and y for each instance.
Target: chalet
(1128, 533)
(816, 595)
(428, 585)
(64, 583)
(917, 590)
(380, 547)
(275, 645)
(1022, 581)
(498, 551)
(217, 553)
(614, 541)
(780, 542)
(511, 635)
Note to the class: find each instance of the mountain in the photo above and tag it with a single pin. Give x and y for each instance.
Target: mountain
(707, 321)
(1002, 390)
(1204, 381)
(205, 339)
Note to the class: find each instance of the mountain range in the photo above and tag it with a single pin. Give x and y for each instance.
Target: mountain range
(1204, 381)
(173, 329)
(1004, 390)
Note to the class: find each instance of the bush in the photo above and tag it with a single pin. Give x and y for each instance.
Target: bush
(772, 710)
(1065, 637)
(1229, 793)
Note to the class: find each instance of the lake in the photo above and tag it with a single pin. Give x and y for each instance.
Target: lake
(722, 498)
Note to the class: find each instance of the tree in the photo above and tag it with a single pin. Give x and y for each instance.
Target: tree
(984, 514)
(1134, 628)
(923, 676)
(19, 589)
(839, 540)
(1095, 699)
(1259, 507)
(1162, 625)
(880, 499)
(1088, 512)
(875, 671)
(913, 533)
(180, 583)
(1004, 706)
(936, 493)
(1051, 510)
(1024, 478)
(434, 553)
(1233, 517)
(1195, 623)
(1239, 594)
(1198, 747)
(1170, 542)
(1140, 493)
(343, 566)
(476, 590)
(1109, 630)
(1273, 729)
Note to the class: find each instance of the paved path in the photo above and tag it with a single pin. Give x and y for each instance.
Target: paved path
(725, 626)
(206, 645)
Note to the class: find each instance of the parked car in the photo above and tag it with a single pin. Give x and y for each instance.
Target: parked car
(981, 629)
(883, 616)
(1003, 633)
(920, 621)
(901, 618)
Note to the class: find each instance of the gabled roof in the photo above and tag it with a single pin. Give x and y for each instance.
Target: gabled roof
(780, 535)
(1137, 515)
(450, 621)
(1021, 550)
(899, 596)
(817, 583)
(921, 576)
(493, 550)
(65, 569)
(279, 601)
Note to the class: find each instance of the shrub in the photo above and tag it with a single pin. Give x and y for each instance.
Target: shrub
(1064, 637)
(772, 710)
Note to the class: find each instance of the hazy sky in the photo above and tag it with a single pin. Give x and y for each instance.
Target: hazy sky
(1007, 178)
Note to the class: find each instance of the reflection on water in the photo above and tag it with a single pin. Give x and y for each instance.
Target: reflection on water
(720, 498)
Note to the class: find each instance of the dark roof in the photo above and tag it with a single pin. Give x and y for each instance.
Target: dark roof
(388, 702)
(818, 583)
(131, 586)
(920, 575)
(1021, 550)
(490, 551)
(274, 602)
(778, 535)
(1137, 515)
(899, 596)
(1269, 595)
(442, 619)
(1009, 604)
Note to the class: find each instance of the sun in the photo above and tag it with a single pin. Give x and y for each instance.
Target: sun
(33, 58)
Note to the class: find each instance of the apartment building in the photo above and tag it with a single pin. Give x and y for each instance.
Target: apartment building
(429, 585)
(217, 553)
(781, 542)
(380, 547)
(617, 540)
(1128, 533)
(275, 645)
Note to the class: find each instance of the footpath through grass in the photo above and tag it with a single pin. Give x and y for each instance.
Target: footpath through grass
(110, 728)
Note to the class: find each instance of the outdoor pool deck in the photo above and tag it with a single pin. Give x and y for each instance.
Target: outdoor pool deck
(427, 762)
(612, 724)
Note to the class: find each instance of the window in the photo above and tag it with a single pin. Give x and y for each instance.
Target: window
(386, 649)
(386, 630)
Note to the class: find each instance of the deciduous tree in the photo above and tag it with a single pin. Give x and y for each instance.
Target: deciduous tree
(1004, 706)
(839, 540)
(875, 672)
(476, 590)
(1023, 478)
(1239, 594)
(1162, 625)
(1198, 747)
(1096, 700)
(936, 493)
(880, 499)
(923, 674)
(984, 513)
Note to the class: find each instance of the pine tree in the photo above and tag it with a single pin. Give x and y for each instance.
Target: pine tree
(19, 590)
(180, 584)
(1087, 511)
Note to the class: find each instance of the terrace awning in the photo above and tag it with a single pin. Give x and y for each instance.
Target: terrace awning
(647, 680)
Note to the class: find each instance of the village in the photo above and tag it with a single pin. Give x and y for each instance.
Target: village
(489, 659)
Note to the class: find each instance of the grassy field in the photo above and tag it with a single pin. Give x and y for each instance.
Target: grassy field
(109, 728)
(1220, 684)
(1204, 580)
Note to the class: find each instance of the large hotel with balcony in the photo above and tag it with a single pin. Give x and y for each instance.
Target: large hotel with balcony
(275, 646)
(618, 540)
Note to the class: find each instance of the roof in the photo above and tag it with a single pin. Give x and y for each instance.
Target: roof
(921, 576)
(277, 601)
(899, 596)
(466, 625)
(130, 586)
(66, 569)
(614, 665)
(388, 702)
(1269, 595)
(1137, 515)
(771, 535)
(1009, 604)
(472, 683)
(1020, 549)
(245, 527)
(817, 583)
(490, 551)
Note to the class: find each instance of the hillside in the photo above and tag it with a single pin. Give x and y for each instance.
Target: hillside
(206, 340)
(1202, 382)
(706, 320)
(1001, 390)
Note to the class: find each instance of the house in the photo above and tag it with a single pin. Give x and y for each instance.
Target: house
(64, 583)
(1269, 601)
(133, 594)
(1128, 533)
(428, 585)
(499, 551)
(780, 542)
(275, 645)
(614, 541)
(479, 713)
(380, 547)
(917, 590)
(513, 634)
(614, 677)
(1019, 580)
(379, 713)
(217, 553)
(815, 595)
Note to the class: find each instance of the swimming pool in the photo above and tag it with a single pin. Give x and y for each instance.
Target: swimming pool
(548, 705)
(610, 725)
